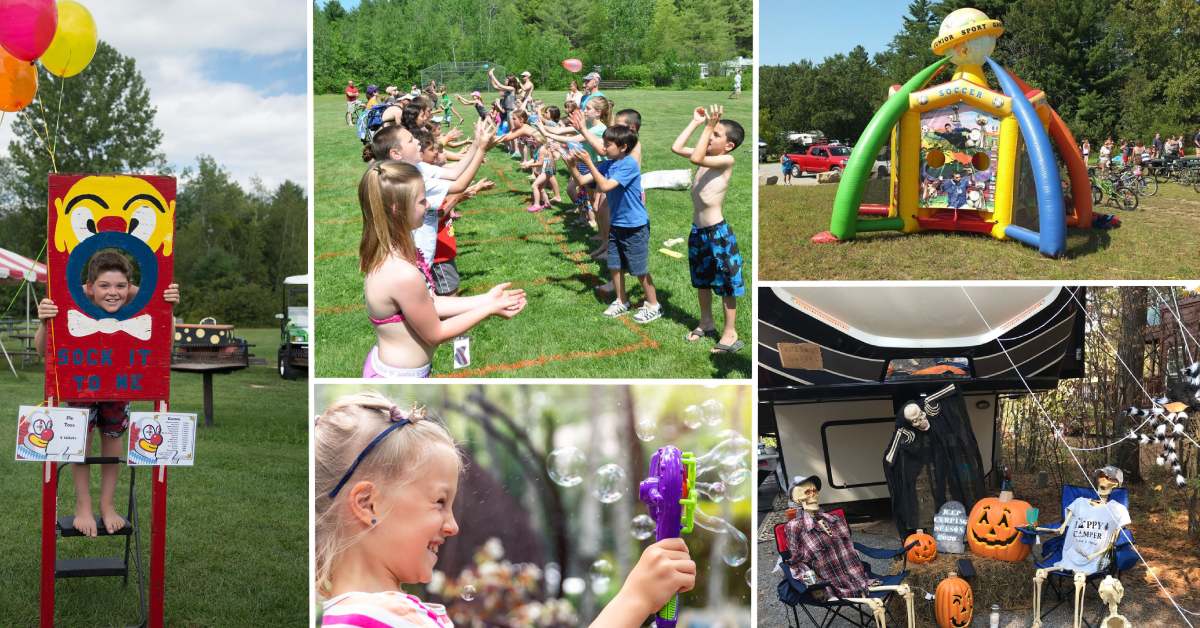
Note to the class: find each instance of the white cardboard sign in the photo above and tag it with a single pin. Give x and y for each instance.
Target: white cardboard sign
(56, 434)
(161, 438)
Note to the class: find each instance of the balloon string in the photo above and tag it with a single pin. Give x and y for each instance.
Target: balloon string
(62, 87)
(46, 137)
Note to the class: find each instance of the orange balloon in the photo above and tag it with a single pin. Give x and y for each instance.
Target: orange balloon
(18, 82)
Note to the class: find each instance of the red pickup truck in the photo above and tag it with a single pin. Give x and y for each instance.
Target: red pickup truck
(818, 158)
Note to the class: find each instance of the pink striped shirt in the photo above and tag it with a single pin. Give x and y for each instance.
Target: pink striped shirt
(387, 609)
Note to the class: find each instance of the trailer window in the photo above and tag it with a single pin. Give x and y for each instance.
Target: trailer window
(927, 368)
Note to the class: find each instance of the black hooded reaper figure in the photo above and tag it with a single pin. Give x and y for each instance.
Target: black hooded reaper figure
(933, 431)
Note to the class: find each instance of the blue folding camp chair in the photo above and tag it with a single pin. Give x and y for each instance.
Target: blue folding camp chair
(794, 593)
(1062, 582)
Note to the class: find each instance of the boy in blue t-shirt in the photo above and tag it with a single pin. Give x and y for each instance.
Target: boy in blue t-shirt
(620, 178)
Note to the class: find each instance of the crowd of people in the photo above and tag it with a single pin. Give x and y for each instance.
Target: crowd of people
(1137, 152)
(420, 171)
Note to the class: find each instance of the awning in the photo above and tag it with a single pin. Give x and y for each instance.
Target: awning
(15, 268)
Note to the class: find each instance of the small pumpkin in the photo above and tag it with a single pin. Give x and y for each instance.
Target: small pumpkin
(924, 551)
(954, 602)
(992, 528)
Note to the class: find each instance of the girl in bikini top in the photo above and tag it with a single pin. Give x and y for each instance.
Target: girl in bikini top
(398, 317)
(392, 197)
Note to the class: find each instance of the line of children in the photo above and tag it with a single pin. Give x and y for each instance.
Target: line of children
(386, 480)
(401, 196)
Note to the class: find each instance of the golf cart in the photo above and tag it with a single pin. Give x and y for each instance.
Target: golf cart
(294, 327)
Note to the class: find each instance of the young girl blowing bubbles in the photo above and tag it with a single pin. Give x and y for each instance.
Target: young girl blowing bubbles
(410, 322)
(386, 479)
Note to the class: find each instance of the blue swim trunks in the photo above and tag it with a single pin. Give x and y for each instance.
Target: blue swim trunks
(715, 261)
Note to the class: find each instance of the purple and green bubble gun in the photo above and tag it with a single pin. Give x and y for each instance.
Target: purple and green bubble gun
(667, 493)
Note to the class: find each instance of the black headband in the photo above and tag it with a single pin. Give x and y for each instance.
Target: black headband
(398, 421)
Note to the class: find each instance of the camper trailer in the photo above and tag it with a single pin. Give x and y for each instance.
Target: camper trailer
(835, 365)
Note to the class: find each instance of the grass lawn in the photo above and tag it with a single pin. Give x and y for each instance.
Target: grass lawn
(562, 332)
(1153, 242)
(237, 528)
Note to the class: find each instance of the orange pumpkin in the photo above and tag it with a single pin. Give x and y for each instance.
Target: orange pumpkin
(954, 603)
(992, 528)
(924, 551)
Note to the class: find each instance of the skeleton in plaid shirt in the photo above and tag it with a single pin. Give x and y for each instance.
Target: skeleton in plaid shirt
(821, 542)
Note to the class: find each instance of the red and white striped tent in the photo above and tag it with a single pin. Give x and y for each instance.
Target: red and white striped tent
(16, 268)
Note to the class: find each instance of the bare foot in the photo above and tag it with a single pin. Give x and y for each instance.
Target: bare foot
(112, 520)
(85, 521)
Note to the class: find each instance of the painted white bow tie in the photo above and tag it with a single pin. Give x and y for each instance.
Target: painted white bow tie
(80, 324)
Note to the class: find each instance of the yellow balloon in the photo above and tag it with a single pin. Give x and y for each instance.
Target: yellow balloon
(74, 42)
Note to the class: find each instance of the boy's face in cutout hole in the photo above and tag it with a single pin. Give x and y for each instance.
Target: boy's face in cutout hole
(418, 519)
(110, 291)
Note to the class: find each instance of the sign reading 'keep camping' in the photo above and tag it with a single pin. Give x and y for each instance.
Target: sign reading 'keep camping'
(950, 528)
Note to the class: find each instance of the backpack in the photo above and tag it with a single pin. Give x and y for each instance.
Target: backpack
(370, 120)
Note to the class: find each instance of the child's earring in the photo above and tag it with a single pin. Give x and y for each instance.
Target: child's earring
(373, 522)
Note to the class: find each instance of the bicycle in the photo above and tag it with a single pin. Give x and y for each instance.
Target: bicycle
(352, 116)
(1114, 187)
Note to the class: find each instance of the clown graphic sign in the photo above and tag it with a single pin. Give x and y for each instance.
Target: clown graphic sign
(112, 337)
(51, 434)
(161, 438)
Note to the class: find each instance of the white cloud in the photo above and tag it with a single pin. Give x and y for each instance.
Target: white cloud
(251, 132)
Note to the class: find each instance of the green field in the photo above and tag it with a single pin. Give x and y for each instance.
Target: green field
(237, 522)
(562, 332)
(1154, 242)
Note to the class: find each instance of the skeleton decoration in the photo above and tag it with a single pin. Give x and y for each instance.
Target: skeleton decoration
(1092, 527)
(933, 435)
(1169, 420)
(806, 492)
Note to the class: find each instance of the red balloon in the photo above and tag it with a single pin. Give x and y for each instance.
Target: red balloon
(572, 65)
(27, 27)
(18, 83)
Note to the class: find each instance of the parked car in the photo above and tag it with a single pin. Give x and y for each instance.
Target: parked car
(818, 158)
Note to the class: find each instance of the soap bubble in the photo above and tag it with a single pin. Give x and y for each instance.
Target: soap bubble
(601, 575)
(553, 577)
(736, 549)
(693, 416)
(573, 586)
(736, 476)
(565, 466)
(468, 592)
(712, 411)
(609, 483)
(712, 491)
(643, 527)
(646, 427)
(749, 578)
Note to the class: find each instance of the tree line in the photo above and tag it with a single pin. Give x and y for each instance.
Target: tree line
(651, 43)
(233, 247)
(1110, 68)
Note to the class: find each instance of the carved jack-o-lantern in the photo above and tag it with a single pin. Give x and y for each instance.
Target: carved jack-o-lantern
(924, 551)
(992, 528)
(954, 602)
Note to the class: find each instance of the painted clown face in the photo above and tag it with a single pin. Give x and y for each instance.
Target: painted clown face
(122, 204)
(41, 432)
(149, 439)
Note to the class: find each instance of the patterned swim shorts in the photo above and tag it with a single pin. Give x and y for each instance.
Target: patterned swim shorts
(715, 261)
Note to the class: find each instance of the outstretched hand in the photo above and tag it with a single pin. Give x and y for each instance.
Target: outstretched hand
(576, 119)
(713, 115)
(507, 302)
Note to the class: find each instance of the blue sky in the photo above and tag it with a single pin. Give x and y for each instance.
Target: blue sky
(790, 31)
(228, 78)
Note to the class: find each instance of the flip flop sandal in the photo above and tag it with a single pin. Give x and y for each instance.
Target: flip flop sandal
(733, 348)
(699, 334)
